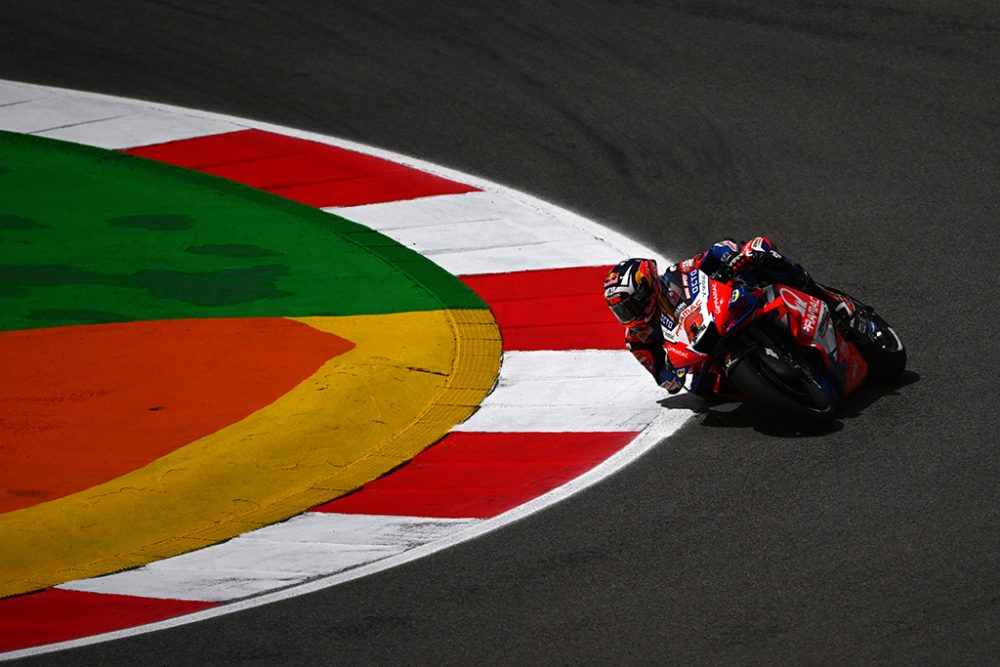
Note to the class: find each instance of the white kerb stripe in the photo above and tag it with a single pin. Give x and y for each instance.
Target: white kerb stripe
(578, 391)
(438, 210)
(484, 232)
(139, 129)
(305, 547)
(506, 259)
(96, 121)
(49, 113)
(15, 93)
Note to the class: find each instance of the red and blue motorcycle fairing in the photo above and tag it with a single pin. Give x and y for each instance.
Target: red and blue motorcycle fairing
(776, 344)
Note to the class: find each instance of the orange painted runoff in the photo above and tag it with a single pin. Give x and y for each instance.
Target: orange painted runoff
(81, 405)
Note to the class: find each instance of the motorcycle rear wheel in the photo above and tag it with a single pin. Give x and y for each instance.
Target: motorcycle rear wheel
(887, 357)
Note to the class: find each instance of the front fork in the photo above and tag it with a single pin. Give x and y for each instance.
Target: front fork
(772, 352)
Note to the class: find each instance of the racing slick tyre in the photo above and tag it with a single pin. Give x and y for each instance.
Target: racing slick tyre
(776, 386)
(886, 356)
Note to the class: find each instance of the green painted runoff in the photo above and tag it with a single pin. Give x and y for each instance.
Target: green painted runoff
(92, 236)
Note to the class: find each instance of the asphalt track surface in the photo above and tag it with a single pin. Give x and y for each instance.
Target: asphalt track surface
(861, 137)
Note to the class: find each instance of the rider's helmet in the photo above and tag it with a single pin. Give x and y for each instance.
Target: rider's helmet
(632, 290)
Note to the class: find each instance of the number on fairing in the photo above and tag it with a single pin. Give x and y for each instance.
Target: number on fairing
(692, 323)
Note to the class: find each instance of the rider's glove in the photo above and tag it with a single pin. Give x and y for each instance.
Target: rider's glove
(670, 379)
(772, 259)
(738, 262)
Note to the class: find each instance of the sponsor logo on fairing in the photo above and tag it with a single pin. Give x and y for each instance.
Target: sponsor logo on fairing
(681, 357)
(812, 316)
(716, 304)
(693, 285)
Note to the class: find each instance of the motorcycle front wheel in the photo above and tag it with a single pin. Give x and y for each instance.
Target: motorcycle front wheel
(773, 384)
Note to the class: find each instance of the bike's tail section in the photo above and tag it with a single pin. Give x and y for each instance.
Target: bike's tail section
(879, 343)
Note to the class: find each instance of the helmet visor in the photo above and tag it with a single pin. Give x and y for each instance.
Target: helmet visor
(627, 311)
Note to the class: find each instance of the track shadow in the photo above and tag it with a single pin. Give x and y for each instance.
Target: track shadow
(854, 405)
(730, 414)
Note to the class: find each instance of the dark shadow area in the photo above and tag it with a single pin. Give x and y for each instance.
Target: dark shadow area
(18, 222)
(748, 416)
(719, 413)
(221, 287)
(854, 405)
(232, 250)
(154, 222)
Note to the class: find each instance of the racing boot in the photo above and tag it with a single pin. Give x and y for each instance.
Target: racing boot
(849, 319)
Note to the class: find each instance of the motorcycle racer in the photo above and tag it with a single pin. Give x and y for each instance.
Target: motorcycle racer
(647, 303)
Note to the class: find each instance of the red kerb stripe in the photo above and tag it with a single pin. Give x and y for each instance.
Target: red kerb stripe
(308, 172)
(550, 309)
(479, 475)
(56, 615)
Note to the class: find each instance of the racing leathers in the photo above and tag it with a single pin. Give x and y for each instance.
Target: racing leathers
(757, 261)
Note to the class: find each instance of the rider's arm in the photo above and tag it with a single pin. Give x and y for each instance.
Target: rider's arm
(717, 257)
(755, 259)
(646, 344)
(760, 258)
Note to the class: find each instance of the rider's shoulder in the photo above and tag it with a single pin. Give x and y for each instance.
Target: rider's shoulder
(685, 266)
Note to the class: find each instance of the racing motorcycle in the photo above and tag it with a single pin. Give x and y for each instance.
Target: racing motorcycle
(780, 348)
